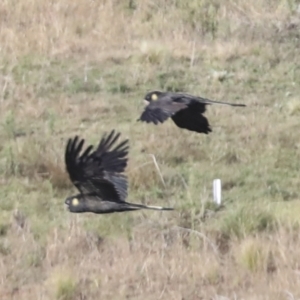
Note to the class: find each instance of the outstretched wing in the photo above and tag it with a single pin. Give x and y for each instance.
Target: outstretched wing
(192, 119)
(113, 162)
(160, 110)
(100, 171)
(76, 163)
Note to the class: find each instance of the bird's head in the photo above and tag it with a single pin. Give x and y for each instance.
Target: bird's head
(152, 96)
(75, 203)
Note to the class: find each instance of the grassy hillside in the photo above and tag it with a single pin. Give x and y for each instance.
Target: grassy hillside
(83, 67)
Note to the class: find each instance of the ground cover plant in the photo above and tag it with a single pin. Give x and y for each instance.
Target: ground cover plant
(83, 67)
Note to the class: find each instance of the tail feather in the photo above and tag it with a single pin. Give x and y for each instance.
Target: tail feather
(208, 101)
(141, 206)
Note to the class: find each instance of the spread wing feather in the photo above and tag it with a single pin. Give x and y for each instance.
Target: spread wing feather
(193, 120)
(100, 171)
(159, 111)
(113, 160)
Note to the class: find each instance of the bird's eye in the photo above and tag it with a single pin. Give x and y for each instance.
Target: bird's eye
(75, 202)
(154, 97)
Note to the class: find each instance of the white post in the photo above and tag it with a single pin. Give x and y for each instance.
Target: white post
(217, 191)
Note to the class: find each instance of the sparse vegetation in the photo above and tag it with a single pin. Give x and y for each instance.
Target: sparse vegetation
(253, 255)
(62, 284)
(83, 67)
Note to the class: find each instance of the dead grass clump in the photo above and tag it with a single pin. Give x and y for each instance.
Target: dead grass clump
(38, 159)
(145, 176)
(210, 270)
(152, 53)
(293, 106)
(62, 284)
(253, 254)
(230, 158)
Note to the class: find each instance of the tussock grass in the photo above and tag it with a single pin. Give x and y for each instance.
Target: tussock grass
(39, 159)
(253, 255)
(247, 220)
(63, 284)
(78, 67)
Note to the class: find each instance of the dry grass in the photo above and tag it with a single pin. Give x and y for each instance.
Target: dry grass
(82, 67)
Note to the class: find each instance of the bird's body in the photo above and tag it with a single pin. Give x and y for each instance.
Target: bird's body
(94, 204)
(185, 110)
(98, 175)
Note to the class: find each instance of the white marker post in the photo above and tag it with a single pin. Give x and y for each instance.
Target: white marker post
(217, 191)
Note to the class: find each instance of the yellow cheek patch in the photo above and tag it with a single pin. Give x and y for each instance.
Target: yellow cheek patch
(154, 97)
(75, 202)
